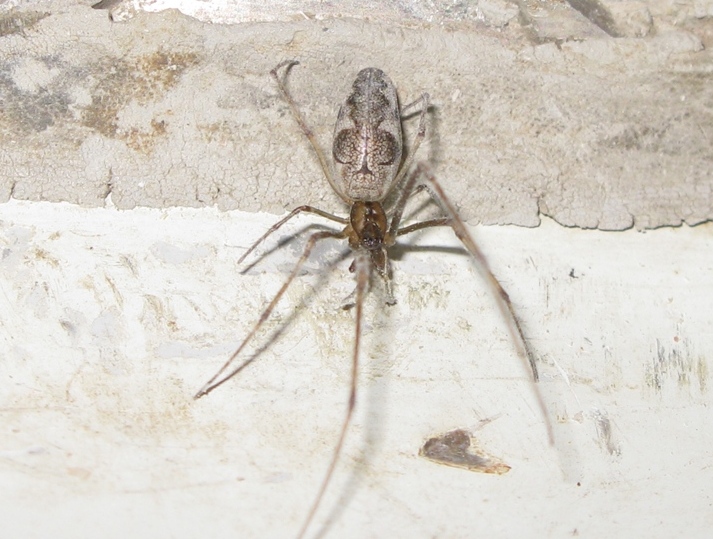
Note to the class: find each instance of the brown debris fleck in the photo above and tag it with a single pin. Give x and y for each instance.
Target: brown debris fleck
(457, 448)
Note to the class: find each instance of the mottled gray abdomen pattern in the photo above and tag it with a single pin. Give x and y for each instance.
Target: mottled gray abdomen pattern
(367, 138)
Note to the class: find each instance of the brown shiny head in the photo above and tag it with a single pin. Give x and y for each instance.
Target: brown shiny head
(369, 224)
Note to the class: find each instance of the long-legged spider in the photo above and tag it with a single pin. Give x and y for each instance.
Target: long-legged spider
(368, 174)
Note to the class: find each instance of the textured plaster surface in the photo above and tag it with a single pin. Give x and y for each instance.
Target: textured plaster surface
(112, 320)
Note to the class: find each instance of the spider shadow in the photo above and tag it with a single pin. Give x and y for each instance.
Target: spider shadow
(289, 240)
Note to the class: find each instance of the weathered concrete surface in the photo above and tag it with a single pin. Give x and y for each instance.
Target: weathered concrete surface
(543, 113)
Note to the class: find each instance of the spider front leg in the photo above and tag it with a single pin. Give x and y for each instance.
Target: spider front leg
(278, 224)
(306, 130)
(219, 378)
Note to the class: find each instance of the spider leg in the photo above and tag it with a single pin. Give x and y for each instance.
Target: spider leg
(414, 103)
(288, 64)
(278, 224)
(383, 267)
(362, 270)
(217, 379)
(443, 221)
(418, 138)
(503, 299)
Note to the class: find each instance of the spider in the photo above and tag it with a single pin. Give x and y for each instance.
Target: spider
(371, 176)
